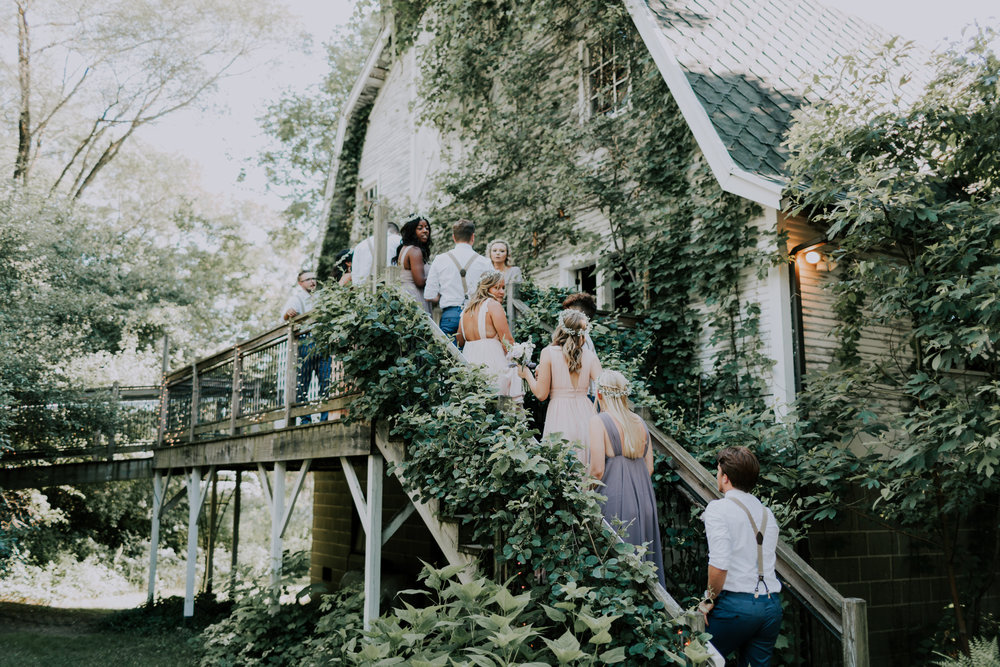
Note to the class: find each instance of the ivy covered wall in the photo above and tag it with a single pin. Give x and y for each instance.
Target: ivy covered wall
(505, 84)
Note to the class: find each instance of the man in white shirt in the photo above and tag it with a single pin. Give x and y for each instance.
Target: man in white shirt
(362, 267)
(454, 275)
(741, 605)
(300, 302)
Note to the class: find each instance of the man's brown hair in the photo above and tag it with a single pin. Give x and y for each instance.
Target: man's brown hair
(463, 230)
(583, 302)
(740, 466)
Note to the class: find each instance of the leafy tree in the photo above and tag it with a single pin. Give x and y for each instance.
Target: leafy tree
(304, 124)
(910, 193)
(91, 74)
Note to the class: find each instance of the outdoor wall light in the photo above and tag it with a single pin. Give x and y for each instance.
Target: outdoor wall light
(813, 257)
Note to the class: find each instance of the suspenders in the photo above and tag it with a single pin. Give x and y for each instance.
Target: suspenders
(462, 269)
(760, 547)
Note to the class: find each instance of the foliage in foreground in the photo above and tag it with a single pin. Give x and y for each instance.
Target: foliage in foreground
(982, 653)
(529, 497)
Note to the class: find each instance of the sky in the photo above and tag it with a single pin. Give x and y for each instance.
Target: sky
(225, 139)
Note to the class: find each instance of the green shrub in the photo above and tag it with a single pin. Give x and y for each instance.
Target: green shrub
(982, 653)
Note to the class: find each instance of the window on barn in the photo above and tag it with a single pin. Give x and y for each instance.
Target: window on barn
(369, 195)
(608, 74)
(586, 279)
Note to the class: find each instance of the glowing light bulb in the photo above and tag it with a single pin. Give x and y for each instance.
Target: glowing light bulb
(813, 257)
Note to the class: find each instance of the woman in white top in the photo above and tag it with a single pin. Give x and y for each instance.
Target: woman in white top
(483, 329)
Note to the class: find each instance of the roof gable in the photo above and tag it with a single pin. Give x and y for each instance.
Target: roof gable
(747, 64)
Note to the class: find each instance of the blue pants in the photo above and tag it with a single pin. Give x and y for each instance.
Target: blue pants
(450, 317)
(747, 625)
(310, 363)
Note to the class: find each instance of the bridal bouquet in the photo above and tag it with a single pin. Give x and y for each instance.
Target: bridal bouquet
(518, 354)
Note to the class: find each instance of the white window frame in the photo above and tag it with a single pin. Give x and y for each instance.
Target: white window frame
(587, 94)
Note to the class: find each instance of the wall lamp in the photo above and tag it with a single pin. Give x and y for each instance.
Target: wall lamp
(815, 254)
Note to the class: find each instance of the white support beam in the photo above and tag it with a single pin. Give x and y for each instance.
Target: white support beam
(277, 513)
(194, 508)
(154, 535)
(172, 503)
(373, 540)
(295, 494)
(397, 521)
(265, 484)
(355, 486)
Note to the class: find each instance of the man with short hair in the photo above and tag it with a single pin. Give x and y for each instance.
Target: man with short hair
(363, 267)
(454, 274)
(742, 607)
(300, 302)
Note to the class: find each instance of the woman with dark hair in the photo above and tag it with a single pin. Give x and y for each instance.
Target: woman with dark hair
(565, 370)
(412, 256)
(341, 271)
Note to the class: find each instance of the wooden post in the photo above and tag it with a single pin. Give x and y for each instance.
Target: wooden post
(164, 395)
(291, 374)
(511, 313)
(212, 517)
(378, 261)
(237, 383)
(154, 534)
(195, 400)
(373, 540)
(194, 509)
(855, 637)
(236, 534)
(277, 514)
(115, 408)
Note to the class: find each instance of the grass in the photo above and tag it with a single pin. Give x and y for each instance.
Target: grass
(99, 649)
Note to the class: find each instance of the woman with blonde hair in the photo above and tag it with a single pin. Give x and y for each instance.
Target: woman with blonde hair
(498, 252)
(483, 329)
(621, 457)
(565, 369)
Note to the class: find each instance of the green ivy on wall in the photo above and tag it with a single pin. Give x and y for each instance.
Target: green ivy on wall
(502, 79)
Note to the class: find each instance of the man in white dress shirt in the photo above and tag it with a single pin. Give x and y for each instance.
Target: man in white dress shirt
(741, 605)
(454, 274)
(362, 267)
(300, 302)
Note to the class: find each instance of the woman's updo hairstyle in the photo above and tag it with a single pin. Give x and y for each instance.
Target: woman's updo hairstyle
(570, 336)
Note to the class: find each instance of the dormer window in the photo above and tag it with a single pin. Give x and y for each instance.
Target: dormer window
(608, 75)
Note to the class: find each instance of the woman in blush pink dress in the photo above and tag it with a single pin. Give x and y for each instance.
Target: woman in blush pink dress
(565, 370)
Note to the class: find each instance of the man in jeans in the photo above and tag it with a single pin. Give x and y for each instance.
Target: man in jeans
(299, 302)
(742, 607)
(454, 274)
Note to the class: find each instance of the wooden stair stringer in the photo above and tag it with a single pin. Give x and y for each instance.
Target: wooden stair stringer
(445, 533)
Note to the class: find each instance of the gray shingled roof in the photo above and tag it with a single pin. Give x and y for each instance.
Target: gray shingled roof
(749, 63)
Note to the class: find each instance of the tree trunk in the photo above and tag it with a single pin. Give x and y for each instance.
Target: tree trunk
(949, 558)
(21, 162)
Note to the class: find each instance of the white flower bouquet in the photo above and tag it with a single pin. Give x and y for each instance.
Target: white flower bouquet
(518, 354)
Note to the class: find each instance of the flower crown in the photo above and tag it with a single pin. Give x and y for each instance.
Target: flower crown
(615, 392)
(489, 274)
(573, 331)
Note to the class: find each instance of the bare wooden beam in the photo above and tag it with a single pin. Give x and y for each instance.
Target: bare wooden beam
(303, 471)
(373, 539)
(355, 486)
(397, 521)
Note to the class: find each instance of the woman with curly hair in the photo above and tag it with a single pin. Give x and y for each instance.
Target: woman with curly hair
(483, 329)
(565, 369)
(621, 456)
(411, 256)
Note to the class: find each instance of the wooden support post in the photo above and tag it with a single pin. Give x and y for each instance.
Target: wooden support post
(855, 637)
(291, 374)
(194, 508)
(378, 261)
(195, 401)
(299, 481)
(213, 510)
(373, 540)
(236, 534)
(154, 534)
(511, 313)
(161, 428)
(277, 513)
(234, 400)
(116, 411)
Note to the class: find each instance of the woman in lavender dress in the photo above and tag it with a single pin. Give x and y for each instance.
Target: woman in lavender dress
(622, 458)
